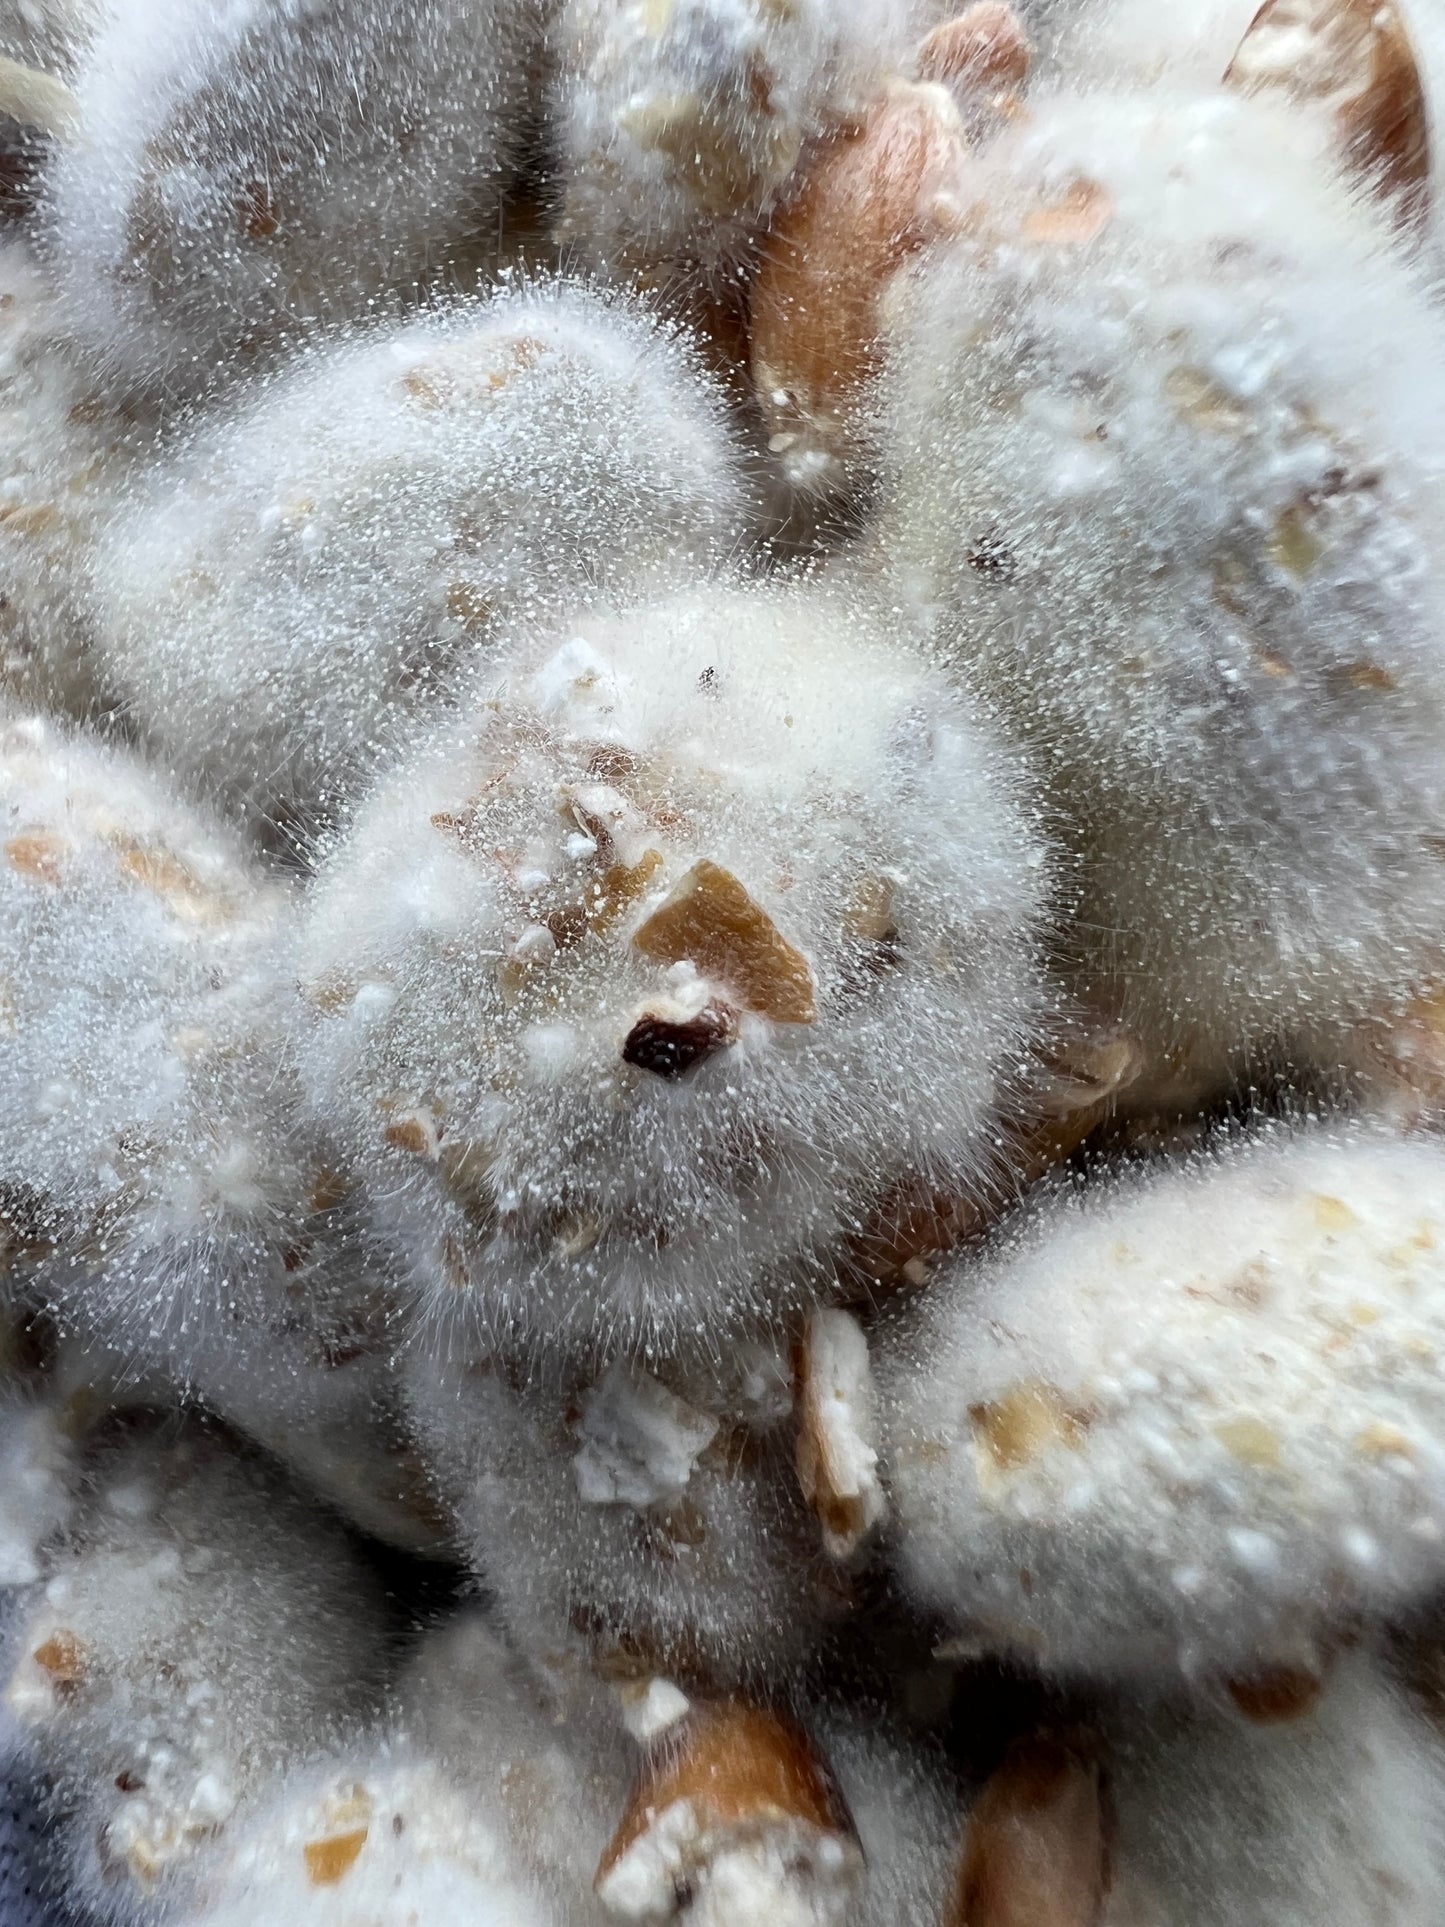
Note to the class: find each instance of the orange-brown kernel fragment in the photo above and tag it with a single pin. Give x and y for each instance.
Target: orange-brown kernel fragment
(743, 1767)
(874, 195)
(868, 915)
(330, 994)
(65, 1657)
(467, 605)
(30, 518)
(415, 1132)
(984, 48)
(1077, 217)
(834, 1455)
(257, 211)
(329, 1861)
(710, 921)
(327, 1189)
(1035, 1852)
(1355, 58)
(160, 871)
(615, 891)
(38, 854)
(1027, 1421)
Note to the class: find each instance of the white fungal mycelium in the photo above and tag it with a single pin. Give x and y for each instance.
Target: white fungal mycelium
(67, 451)
(1326, 1815)
(681, 122)
(1131, 43)
(484, 1791)
(908, 1809)
(301, 1361)
(373, 1837)
(1164, 433)
(314, 1384)
(148, 1158)
(197, 1626)
(671, 1537)
(246, 172)
(37, 1477)
(1188, 1421)
(702, 925)
(48, 36)
(473, 1800)
(301, 578)
(722, 962)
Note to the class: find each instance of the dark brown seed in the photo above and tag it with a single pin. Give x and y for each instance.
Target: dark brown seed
(670, 1049)
(1282, 1693)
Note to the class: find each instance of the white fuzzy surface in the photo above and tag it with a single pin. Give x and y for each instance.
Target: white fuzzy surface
(681, 121)
(37, 1479)
(507, 1795)
(908, 1810)
(533, 1181)
(143, 1138)
(301, 579)
(536, 1758)
(198, 1626)
(1330, 1820)
(301, 1362)
(321, 1394)
(1138, 44)
(1196, 460)
(477, 1800)
(1185, 1421)
(67, 451)
(719, 1576)
(49, 35)
(247, 171)
(425, 1858)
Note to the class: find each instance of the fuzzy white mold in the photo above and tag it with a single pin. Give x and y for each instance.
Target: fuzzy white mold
(199, 1625)
(301, 1362)
(146, 1145)
(248, 172)
(908, 1810)
(1186, 1421)
(681, 122)
(478, 1799)
(288, 591)
(1164, 437)
(703, 925)
(37, 1478)
(67, 452)
(666, 1530)
(540, 1759)
(48, 35)
(375, 1838)
(1131, 44)
(1330, 1819)
(314, 1383)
